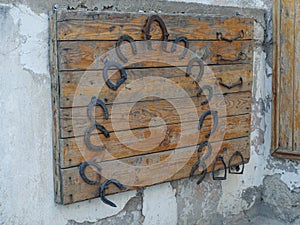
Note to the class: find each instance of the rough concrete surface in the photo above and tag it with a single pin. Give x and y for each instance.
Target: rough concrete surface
(267, 193)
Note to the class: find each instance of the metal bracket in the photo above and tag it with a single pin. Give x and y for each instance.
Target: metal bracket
(219, 158)
(186, 46)
(215, 119)
(111, 85)
(96, 102)
(162, 26)
(221, 38)
(241, 57)
(210, 93)
(236, 154)
(238, 83)
(118, 49)
(190, 65)
(82, 168)
(105, 185)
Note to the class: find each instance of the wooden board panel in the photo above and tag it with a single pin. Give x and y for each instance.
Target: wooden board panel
(108, 26)
(74, 150)
(142, 112)
(286, 109)
(91, 55)
(146, 170)
(89, 84)
(296, 81)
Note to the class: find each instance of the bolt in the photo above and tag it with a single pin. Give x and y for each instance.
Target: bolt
(55, 6)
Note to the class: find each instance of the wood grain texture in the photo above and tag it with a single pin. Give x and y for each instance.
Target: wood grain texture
(143, 141)
(77, 88)
(286, 109)
(110, 26)
(91, 55)
(141, 171)
(141, 113)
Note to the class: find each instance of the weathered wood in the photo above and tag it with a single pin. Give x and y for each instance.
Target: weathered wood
(77, 88)
(110, 26)
(55, 109)
(286, 97)
(141, 141)
(296, 82)
(142, 112)
(141, 171)
(91, 55)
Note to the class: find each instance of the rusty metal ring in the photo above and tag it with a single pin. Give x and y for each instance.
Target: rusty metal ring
(210, 93)
(215, 120)
(132, 44)
(186, 46)
(96, 102)
(105, 185)
(190, 65)
(82, 168)
(111, 85)
(87, 136)
(162, 26)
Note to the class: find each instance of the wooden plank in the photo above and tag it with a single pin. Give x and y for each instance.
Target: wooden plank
(77, 88)
(287, 74)
(110, 26)
(141, 171)
(296, 81)
(75, 120)
(276, 75)
(91, 55)
(143, 141)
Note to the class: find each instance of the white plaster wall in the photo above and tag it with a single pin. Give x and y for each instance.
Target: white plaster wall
(26, 171)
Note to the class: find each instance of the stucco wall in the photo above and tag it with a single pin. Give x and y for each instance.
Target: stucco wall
(269, 190)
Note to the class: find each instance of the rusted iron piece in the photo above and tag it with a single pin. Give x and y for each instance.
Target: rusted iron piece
(238, 83)
(203, 173)
(209, 149)
(105, 185)
(234, 155)
(163, 28)
(111, 85)
(241, 57)
(118, 48)
(190, 65)
(96, 102)
(219, 158)
(210, 93)
(186, 46)
(87, 136)
(221, 38)
(82, 168)
(215, 121)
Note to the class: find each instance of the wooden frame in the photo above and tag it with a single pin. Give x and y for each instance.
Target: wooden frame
(285, 112)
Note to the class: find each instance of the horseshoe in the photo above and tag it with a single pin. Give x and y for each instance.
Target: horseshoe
(111, 85)
(186, 46)
(162, 26)
(96, 102)
(82, 168)
(201, 146)
(118, 49)
(210, 93)
(105, 185)
(215, 119)
(219, 158)
(87, 136)
(190, 65)
(236, 154)
(203, 172)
